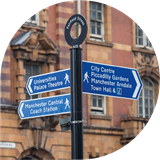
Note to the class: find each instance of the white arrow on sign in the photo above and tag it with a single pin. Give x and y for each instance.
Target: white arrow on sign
(21, 109)
(138, 84)
(29, 86)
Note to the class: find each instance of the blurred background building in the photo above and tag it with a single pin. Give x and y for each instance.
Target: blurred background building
(39, 47)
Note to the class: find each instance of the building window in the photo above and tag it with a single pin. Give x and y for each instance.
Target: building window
(31, 70)
(34, 19)
(97, 104)
(141, 38)
(96, 21)
(146, 99)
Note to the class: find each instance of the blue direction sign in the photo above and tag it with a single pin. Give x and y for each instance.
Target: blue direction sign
(45, 106)
(48, 82)
(109, 80)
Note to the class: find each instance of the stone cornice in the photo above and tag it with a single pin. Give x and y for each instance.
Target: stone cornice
(103, 130)
(27, 27)
(147, 64)
(142, 50)
(105, 44)
(103, 117)
(5, 108)
(134, 119)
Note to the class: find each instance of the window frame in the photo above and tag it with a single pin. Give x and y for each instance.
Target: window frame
(143, 99)
(36, 22)
(145, 39)
(96, 108)
(40, 71)
(97, 37)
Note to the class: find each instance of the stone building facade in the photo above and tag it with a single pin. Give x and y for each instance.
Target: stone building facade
(39, 47)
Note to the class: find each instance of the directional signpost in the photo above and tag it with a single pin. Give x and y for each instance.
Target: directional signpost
(76, 83)
(99, 79)
(45, 106)
(49, 82)
(109, 80)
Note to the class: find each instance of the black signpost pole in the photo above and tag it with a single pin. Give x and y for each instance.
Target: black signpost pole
(76, 103)
(76, 84)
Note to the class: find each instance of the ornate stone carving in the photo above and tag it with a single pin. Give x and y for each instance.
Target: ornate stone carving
(148, 71)
(33, 40)
(139, 59)
(131, 111)
(27, 41)
(155, 64)
(33, 46)
(147, 60)
(147, 63)
(46, 123)
(38, 123)
(144, 60)
(37, 138)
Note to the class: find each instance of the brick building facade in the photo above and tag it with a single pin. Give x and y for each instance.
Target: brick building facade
(39, 47)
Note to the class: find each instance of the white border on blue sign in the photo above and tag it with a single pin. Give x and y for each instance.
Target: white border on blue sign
(116, 96)
(43, 75)
(39, 99)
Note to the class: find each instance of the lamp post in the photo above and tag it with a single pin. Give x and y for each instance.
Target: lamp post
(76, 84)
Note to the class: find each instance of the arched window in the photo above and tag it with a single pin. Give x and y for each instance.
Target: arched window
(146, 101)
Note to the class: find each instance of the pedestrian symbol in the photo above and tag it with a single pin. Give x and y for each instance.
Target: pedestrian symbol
(66, 78)
(67, 103)
(86, 77)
